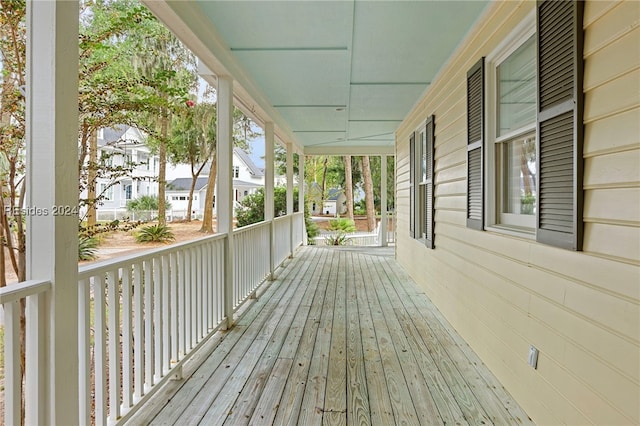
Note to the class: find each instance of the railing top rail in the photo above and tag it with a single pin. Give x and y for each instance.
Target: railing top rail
(250, 227)
(281, 218)
(23, 289)
(86, 271)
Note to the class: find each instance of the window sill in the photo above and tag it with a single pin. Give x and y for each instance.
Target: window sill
(514, 231)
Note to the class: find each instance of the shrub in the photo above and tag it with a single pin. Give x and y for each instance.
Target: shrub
(87, 247)
(154, 233)
(342, 224)
(145, 203)
(339, 239)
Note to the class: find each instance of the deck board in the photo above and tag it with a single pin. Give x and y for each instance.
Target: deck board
(342, 336)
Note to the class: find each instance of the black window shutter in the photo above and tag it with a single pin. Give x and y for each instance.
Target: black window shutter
(412, 184)
(429, 210)
(475, 145)
(560, 128)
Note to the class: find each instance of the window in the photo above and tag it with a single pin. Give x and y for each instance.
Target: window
(421, 216)
(532, 170)
(106, 192)
(236, 172)
(512, 82)
(127, 192)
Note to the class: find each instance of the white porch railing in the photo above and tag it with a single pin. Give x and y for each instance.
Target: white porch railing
(251, 260)
(140, 318)
(282, 238)
(299, 231)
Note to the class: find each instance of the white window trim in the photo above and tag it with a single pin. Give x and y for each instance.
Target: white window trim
(510, 44)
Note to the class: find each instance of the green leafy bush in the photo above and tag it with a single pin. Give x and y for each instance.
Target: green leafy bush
(342, 224)
(87, 248)
(145, 203)
(154, 233)
(339, 239)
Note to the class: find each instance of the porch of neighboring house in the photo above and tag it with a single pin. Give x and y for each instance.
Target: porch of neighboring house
(342, 336)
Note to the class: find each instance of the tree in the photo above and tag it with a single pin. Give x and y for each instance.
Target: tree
(168, 69)
(193, 139)
(368, 193)
(348, 185)
(108, 88)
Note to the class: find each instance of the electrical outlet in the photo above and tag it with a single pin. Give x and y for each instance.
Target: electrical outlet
(533, 357)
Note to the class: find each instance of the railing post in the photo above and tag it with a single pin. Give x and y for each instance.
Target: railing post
(225, 186)
(301, 197)
(383, 201)
(290, 195)
(269, 191)
(51, 176)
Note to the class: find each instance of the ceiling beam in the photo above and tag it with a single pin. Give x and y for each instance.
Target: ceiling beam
(350, 150)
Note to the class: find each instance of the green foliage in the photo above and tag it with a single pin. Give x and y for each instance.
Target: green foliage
(251, 208)
(144, 203)
(312, 229)
(154, 233)
(339, 239)
(87, 247)
(342, 224)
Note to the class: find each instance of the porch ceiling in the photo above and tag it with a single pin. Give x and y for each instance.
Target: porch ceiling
(334, 76)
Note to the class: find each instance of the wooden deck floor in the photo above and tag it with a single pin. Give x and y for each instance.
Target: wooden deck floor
(343, 336)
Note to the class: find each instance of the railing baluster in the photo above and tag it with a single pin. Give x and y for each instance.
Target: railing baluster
(127, 348)
(148, 323)
(206, 262)
(198, 270)
(100, 350)
(188, 300)
(175, 300)
(182, 298)
(194, 298)
(114, 344)
(13, 371)
(138, 334)
(35, 350)
(84, 351)
(166, 341)
(157, 317)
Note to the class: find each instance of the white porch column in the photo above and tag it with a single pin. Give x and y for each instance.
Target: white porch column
(269, 190)
(301, 200)
(290, 195)
(224, 200)
(383, 200)
(52, 181)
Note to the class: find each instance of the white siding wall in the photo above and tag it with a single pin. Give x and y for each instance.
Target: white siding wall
(502, 293)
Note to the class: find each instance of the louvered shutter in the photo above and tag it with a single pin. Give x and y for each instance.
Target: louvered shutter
(475, 145)
(560, 128)
(428, 187)
(412, 184)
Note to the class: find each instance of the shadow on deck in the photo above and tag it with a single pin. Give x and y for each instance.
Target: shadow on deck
(342, 336)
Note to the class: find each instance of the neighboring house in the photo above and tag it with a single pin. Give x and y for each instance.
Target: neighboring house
(335, 203)
(124, 146)
(247, 178)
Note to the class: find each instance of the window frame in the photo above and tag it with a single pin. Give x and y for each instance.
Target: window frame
(495, 219)
(422, 176)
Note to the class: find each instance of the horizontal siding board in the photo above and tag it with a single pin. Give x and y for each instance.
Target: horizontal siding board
(613, 170)
(614, 61)
(611, 26)
(616, 133)
(598, 202)
(616, 96)
(622, 242)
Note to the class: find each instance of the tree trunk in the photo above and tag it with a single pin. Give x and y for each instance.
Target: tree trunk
(368, 193)
(194, 180)
(324, 181)
(207, 219)
(91, 179)
(348, 185)
(162, 169)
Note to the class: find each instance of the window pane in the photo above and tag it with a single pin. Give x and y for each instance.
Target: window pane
(517, 89)
(519, 175)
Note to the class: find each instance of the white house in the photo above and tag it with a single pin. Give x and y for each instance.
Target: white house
(124, 146)
(247, 179)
